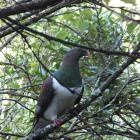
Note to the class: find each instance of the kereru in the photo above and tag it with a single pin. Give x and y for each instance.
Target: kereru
(61, 91)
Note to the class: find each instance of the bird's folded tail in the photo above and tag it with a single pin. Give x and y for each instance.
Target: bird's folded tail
(39, 123)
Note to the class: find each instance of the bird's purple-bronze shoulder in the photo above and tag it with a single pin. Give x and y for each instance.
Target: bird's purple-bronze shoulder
(45, 97)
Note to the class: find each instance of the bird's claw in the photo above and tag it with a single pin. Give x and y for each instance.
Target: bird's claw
(57, 122)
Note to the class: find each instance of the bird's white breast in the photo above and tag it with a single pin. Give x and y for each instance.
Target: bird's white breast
(62, 101)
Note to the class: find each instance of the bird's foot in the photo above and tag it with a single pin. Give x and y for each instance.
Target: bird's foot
(57, 122)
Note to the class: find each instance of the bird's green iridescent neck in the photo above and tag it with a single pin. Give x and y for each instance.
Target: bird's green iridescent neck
(68, 77)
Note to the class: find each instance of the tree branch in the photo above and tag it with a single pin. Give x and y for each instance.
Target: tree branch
(26, 7)
(10, 134)
(91, 48)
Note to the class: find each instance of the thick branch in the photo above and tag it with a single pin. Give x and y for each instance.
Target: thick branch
(4, 31)
(26, 7)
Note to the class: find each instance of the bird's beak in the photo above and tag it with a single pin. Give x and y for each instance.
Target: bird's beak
(87, 55)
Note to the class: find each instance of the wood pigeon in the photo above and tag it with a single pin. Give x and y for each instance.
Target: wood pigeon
(61, 91)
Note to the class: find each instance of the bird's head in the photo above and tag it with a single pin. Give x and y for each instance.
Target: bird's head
(71, 58)
(76, 54)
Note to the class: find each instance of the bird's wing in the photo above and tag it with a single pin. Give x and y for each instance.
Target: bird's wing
(45, 98)
(79, 97)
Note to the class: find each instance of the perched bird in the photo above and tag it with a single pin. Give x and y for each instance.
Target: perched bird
(61, 91)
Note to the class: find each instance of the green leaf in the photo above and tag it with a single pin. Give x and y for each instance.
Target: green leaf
(62, 34)
(131, 27)
(87, 14)
(129, 1)
(138, 36)
(106, 1)
(107, 113)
